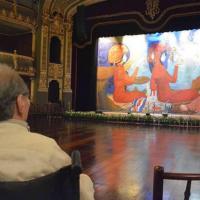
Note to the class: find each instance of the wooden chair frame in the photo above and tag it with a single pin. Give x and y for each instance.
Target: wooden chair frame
(160, 175)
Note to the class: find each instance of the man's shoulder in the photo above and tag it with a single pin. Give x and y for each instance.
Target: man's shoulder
(34, 136)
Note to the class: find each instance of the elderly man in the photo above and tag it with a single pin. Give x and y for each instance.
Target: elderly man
(25, 155)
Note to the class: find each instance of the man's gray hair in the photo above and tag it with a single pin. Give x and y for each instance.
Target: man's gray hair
(11, 85)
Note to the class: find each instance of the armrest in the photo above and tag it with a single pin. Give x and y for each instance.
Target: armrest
(76, 161)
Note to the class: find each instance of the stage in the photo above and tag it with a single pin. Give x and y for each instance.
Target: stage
(120, 157)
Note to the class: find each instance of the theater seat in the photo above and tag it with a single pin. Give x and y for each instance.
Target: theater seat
(60, 185)
(160, 175)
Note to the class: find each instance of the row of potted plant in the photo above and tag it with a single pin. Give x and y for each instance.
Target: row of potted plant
(148, 119)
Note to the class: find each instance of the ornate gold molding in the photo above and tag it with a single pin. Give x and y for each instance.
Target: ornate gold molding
(55, 71)
(16, 18)
(68, 55)
(43, 82)
(152, 8)
(45, 19)
(68, 51)
(44, 47)
(68, 9)
(33, 43)
(43, 59)
(67, 83)
(15, 7)
(69, 24)
(57, 24)
(46, 6)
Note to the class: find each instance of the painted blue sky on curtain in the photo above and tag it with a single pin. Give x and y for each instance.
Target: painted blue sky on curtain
(155, 73)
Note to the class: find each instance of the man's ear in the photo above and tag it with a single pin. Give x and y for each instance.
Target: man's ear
(20, 105)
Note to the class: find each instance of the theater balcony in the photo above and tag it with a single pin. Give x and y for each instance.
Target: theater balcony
(22, 64)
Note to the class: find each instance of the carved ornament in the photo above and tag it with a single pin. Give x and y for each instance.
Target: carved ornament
(43, 81)
(152, 8)
(67, 82)
(57, 23)
(17, 18)
(45, 18)
(55, 70)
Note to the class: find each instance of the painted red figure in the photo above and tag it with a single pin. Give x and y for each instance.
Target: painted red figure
(121, 80)
(121, 77)
(161, 79)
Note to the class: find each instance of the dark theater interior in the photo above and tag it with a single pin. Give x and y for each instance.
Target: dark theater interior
(117, 80)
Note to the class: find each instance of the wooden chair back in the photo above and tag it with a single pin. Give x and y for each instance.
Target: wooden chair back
(160, 175)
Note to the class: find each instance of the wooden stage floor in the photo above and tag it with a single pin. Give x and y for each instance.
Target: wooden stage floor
(120, 157)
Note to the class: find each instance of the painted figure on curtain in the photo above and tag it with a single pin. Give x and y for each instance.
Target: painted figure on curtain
(149, 73)
(118, 79)
(161, 79)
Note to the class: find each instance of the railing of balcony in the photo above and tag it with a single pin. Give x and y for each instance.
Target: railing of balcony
(22, 64)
